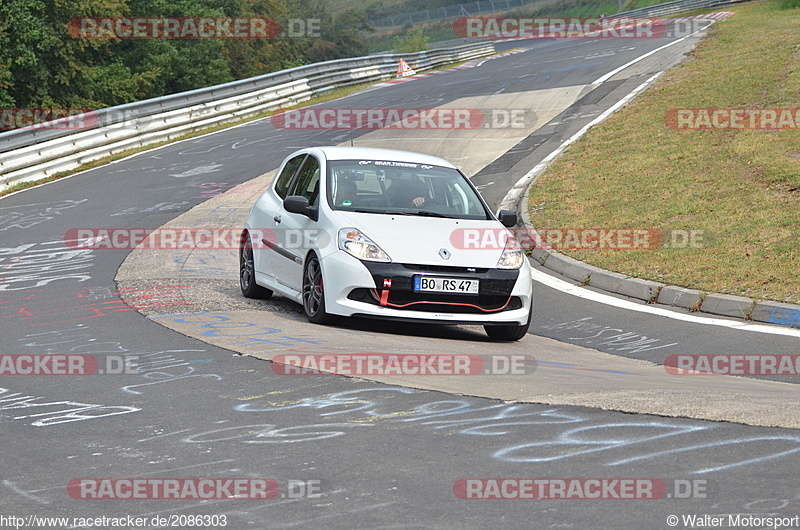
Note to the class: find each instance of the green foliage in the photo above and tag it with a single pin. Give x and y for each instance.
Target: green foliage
(386, 8)
(413, 40)
(168, 66)
(347, 31)
(43, 65)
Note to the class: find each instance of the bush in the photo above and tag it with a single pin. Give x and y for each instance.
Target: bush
(413, 41)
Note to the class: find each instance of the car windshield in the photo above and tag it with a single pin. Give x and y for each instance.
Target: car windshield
(402, 188)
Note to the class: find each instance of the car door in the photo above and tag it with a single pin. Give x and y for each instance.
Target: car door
(296, 232)
(268, 208)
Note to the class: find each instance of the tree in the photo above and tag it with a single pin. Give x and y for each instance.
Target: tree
(248, 58)
(347, 32)
(40, 64)
(45, 61)
(176, 65)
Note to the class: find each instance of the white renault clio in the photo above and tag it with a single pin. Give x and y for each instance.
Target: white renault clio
(378, 233)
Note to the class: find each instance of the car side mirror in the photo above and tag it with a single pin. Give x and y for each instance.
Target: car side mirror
(507, 218)
(299, 204)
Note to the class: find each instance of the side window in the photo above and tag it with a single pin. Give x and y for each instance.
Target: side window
(285, 178)
(307, 182)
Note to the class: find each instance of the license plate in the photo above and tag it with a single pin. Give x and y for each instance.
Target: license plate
(445, 285)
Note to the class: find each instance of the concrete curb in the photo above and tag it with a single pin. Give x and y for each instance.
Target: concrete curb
(770, 312)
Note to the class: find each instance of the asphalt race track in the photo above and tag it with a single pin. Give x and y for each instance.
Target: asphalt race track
(204, 402)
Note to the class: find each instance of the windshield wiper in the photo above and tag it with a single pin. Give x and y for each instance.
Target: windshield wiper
(396, 213)
(422, 213)
(428, 213)
(381, 212)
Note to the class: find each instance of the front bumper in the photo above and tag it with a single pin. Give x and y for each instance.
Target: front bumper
(385, 290)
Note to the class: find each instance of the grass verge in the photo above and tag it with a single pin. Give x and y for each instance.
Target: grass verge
(740, 188)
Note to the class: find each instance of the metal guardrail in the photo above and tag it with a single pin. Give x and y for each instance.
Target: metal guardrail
(32, 154)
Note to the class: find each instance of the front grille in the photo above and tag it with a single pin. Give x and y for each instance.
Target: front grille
(439, 302)
(444, 268)
(398, 279)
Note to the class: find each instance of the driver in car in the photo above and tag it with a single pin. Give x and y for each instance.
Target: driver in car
(408, 191)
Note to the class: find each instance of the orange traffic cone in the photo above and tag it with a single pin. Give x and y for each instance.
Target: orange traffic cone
(403, 69)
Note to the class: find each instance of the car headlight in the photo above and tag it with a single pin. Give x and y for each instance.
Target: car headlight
(360, 246)
(512, 256)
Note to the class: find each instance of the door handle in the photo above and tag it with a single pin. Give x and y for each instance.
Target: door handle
(277, 219)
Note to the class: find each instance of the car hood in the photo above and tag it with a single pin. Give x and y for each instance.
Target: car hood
(420, 240)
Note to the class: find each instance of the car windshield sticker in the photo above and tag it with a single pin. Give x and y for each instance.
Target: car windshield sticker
(396, 164)
(392, 163)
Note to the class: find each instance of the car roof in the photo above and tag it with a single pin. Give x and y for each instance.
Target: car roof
(374, 153)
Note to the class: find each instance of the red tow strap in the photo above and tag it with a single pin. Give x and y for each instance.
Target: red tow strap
(384, 297)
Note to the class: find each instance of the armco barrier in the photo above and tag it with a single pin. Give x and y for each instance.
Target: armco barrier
(32, 154)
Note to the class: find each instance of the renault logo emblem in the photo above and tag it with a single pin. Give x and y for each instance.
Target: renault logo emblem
(444, 253)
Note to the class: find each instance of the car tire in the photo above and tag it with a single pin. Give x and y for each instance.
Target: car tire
(313, 294)
(247, 272)
(509, 332)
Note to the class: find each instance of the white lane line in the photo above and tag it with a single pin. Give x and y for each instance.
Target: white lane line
(645, 56)
(588, 294)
